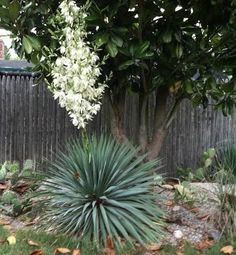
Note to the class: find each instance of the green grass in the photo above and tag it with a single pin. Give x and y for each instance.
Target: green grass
(48, 243)
(190, 250)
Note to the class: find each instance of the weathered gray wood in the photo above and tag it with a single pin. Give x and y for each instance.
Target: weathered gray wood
(32, 125)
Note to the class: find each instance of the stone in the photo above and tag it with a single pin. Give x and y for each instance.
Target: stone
(176, 208)
(178, 234)
(214, 234)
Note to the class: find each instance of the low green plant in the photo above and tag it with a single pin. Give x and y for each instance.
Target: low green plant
(12, 171)
(8, 197)
(19, 183)
(226, 194)
(183, 194)
(226, 157)
(3, 172)
(204, 172)
(225, 177)
(99, 189)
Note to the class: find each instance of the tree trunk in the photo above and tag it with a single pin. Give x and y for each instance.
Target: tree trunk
(117, 104)
(163, 118)
(143, 132)
(155, 144)
(154, 147)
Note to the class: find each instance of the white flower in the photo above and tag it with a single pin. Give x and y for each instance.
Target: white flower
(75, 73)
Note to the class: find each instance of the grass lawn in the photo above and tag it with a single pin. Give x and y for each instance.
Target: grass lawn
(47, 243)
(190, 250)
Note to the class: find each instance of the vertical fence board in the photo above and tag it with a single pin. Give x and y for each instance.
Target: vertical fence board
(32, 125)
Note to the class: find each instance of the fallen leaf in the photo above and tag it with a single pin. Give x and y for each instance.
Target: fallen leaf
(109, 251)
(203, 216)
(77, 174)
(21, 188)
(205, 245)
(169, 203)
(110, 243)
(3, 186)
(153, 247)
(37, 252)
(32, 243)
(62, 251)
(76, 252)
(7, 227)
(167, 186)
(4, 222)
(11, 240)
(229, 249)
(195, 210)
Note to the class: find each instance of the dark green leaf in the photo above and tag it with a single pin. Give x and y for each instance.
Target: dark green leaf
(101, 39)
(126, 64)
(14, 10)
(179, 51)
(34, 42)
(4, 13)
(118, 41)
(189, 87)
(4, 3)
(143, 47)
(27, 45)
(167, 36)
(112, 49)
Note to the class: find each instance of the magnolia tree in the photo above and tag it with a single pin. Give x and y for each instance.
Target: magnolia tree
(161, 49)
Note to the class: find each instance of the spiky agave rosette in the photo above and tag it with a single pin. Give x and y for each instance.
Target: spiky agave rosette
(100, 189)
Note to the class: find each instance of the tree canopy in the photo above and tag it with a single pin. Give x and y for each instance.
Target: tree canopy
(178, 49)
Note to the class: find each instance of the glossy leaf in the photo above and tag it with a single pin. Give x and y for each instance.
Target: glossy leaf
(34, 42)
(126, 64)
(112, 49)
(101, 39)
(14, 10)
(117, 40)
(27, 45)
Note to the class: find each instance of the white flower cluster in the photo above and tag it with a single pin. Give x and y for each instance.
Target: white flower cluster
(76, 71)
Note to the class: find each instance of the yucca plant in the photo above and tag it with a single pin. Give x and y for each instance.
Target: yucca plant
(100, 189)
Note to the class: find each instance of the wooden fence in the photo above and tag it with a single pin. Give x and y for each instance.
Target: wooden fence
(32, 125)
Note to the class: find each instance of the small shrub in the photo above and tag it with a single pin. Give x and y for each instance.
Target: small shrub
(204, 173)
(8, 197)
(226, 157)
(183, 194)
(225, 177)
(100, 189)
(226, 194)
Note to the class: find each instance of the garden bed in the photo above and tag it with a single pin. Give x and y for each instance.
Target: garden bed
(190, 228)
